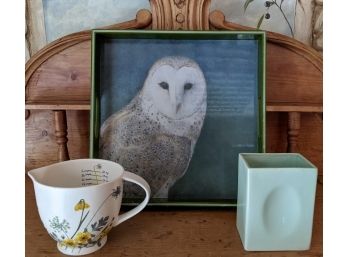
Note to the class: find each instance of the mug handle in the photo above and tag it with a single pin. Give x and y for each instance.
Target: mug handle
(131, 177)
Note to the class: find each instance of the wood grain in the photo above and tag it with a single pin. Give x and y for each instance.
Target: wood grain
(65, 76)
(142, 20)
(57, 105)
(40, 144)
(310, 138)
(154, 232)
(294, 107)
(41, 147)
(292, 78)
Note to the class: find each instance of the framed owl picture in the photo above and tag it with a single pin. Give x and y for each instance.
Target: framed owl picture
(176, 108)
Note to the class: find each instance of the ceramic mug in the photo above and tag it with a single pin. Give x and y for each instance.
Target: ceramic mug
(79, 201)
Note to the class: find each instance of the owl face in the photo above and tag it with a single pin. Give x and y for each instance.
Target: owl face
(176, 87)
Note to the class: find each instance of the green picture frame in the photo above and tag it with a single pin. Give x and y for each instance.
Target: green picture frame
(107, 52)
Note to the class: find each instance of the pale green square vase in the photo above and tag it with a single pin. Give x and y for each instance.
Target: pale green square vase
(276, 194)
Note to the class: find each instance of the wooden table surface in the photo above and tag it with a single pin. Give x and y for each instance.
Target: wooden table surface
(188, 233)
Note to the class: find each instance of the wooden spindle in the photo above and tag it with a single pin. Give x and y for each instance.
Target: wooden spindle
(61, 134)
(294, 125)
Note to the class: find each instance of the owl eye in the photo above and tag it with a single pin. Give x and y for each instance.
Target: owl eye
(188, 86)
(164, 85)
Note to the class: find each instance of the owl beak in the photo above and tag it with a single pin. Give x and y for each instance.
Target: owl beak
(178, 107)
(177, 103)
(176, 100)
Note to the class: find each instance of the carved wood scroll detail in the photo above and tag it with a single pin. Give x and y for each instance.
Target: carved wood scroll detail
(180, 14)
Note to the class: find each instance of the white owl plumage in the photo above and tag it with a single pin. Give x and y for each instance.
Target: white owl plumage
(155, 134)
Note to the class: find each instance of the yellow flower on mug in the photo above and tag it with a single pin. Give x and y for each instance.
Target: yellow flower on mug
(81, 205)
(68, 242)
(82, 237)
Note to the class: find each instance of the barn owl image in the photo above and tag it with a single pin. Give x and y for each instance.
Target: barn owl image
(155, 134)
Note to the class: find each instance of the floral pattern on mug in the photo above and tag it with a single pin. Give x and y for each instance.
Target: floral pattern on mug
(81, 205)
(93, 232)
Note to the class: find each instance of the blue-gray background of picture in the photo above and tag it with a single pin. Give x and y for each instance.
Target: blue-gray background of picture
(230, 68)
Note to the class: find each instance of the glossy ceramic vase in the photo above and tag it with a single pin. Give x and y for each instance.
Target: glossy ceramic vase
(276, 194)
(79, 202)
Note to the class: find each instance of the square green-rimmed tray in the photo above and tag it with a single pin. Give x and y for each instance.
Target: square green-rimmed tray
(189, 151)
